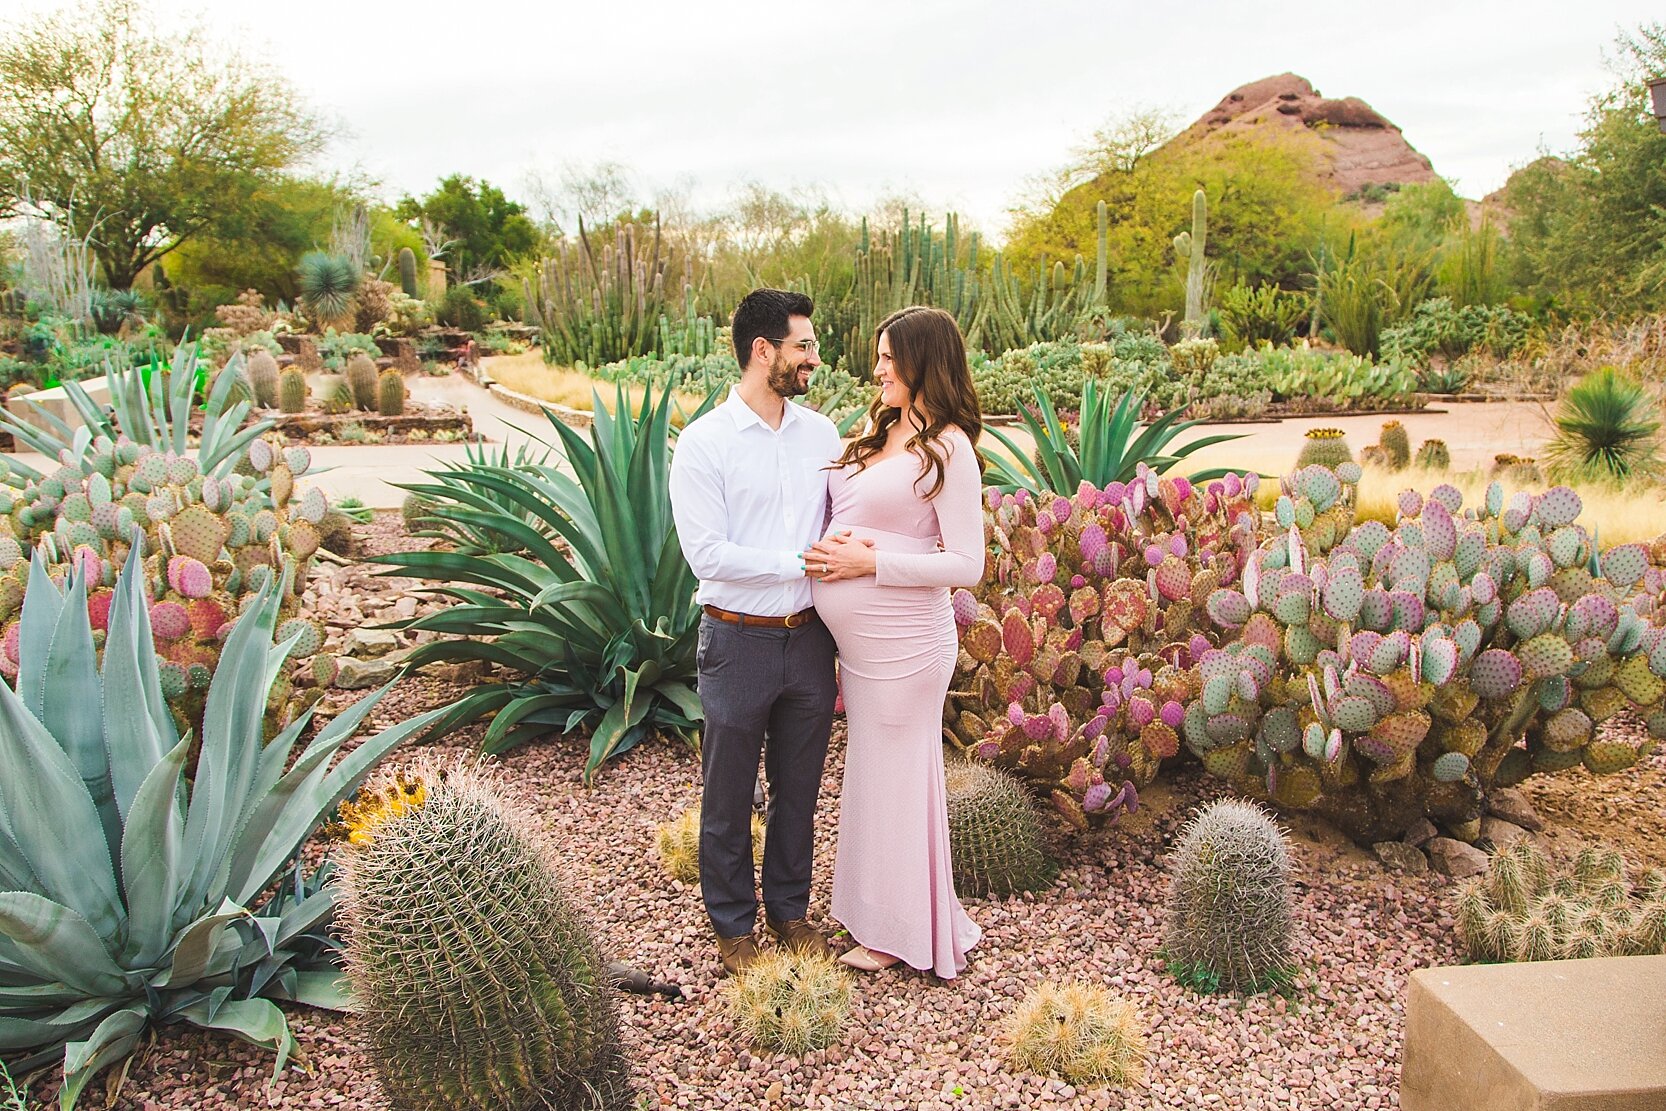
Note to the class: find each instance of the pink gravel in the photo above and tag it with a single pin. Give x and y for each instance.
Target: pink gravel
(913, 1041)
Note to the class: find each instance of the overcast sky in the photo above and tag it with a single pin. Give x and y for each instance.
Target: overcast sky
(957, 104)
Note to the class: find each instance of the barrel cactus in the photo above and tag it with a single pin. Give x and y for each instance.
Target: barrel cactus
(1434, 455)
(1529, 908)
(390, 393)
(1395, 444)
(1387, 675)
(479, 984)
(1074, 648)
(262, 371)
(994, 834)
(1230, 923)
(292, 391)
(360, 373)
(1324, 446)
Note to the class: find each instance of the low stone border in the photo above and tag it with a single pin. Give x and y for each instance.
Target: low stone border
(574, 418)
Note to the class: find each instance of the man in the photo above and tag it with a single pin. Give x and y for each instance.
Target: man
(749, 494)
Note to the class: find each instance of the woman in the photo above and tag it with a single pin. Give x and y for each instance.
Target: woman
(906, 524)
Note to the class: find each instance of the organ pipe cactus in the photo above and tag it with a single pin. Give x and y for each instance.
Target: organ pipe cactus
(1380, 675)
(1074, 650)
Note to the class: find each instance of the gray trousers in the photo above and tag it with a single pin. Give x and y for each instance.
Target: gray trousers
(768, 691)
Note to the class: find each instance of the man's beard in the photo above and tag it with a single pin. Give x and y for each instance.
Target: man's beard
(783, 378)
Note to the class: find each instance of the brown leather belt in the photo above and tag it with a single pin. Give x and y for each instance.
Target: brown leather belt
(791, 621)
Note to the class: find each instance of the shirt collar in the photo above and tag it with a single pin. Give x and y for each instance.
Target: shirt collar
(744, 416)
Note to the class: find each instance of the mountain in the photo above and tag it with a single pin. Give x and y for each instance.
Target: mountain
(1358, 150)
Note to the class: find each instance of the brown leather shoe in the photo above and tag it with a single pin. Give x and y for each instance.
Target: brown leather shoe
(799, 936)
(737, 953)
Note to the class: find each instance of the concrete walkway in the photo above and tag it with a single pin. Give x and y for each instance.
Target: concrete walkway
(1474, 433)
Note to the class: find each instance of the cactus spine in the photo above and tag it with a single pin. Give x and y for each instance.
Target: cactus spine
(1229, 917)
(1190, 246)
(479, 984)
(390, 393)
(292, 391)
(263, 376)
(361, 379)
(407, 271)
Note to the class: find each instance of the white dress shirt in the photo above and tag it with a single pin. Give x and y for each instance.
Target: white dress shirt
(748, 499)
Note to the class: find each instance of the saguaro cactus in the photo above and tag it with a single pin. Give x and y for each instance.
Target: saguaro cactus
(1190, 246)
(407, 271)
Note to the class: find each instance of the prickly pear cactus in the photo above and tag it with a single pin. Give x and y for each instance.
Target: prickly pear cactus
(209, 544)
(1402, 673)
(479, 984)
(1074, 650)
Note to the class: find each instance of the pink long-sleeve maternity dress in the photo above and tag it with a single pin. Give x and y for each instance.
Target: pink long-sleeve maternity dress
(893, 887)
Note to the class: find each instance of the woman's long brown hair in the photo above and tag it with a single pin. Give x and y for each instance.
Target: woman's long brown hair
(930, 360)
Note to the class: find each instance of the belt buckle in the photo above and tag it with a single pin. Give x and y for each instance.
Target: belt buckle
(794, 620)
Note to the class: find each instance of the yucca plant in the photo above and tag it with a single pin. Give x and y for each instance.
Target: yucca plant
(1605, 425)
(148, 407)
(601, 632)
(1109, 452)
(126, 893)
(328, 283)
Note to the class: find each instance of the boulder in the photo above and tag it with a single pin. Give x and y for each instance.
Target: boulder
(371, 642)
(1399, 856)
(1501, 833)
(358, 675)
(1511, 805)
(1421, 833)
(1451, 857)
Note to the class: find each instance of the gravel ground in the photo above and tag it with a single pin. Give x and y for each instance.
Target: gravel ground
(1333, 1041)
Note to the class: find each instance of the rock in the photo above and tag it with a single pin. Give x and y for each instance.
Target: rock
(371, 642)
(1401, 856)
(405, 607)
(1501, 833)
(1421, 833)
(358, 675)
(1466, 831)
(1456, 859)
(1511, 805)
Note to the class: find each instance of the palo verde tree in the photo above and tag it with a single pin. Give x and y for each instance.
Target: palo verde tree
(134, 139)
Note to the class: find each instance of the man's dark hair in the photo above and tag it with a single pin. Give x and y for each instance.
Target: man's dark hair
(764, 312)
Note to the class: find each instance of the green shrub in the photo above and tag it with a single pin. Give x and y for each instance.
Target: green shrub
(1437, 327)
(460, 308)
(1350, 381)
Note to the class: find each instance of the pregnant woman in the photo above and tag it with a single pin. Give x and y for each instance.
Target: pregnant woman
(906, 525)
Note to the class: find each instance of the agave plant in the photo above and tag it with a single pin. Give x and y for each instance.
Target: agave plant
(1109, 452)
(126, 893)
(446, 490)
(602, 631)
(328, 284)
(147, 413)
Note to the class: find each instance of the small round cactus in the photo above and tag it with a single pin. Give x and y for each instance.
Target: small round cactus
(994, 832)
(1327, 447)
(678, 842)
(1078, 1032)
(790, 1002)
(1229, 918)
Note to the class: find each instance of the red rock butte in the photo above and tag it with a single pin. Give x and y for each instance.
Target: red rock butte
(1357, 147)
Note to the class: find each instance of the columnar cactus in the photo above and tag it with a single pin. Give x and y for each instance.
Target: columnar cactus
(408, 272)
(1074, 649)
(1397, 674)
(479, 983)
(1189, 246)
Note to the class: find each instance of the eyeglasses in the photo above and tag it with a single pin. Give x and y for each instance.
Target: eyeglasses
(808, 346)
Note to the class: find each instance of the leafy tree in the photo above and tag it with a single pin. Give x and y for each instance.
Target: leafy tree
(490, 231)
(139, 140)
(1588, 232)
